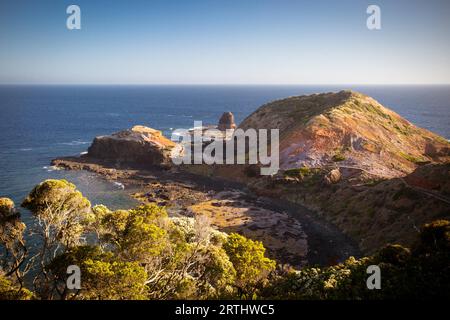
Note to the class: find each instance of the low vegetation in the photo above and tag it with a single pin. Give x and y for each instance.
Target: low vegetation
(301, 172)
(420, 273)
(131, 254)
(411, 158)
(144, 254)
(338, 157)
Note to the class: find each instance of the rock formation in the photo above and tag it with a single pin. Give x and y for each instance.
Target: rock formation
(139, 146)
(226, 121)
(6, 208)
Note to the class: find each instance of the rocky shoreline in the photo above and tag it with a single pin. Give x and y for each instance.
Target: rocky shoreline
(292, 234)
(369, 173)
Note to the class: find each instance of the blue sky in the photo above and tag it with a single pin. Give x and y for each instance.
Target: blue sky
(225, 42)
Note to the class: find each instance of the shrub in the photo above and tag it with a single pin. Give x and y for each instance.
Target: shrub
(248, 259)
(338, 157)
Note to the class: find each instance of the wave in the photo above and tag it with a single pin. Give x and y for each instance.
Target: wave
(25, 149)
(74, 143)
(119, 185)
(51, 168)
(197, 128)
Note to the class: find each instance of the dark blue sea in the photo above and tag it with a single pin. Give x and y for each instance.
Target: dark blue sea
(39, 123)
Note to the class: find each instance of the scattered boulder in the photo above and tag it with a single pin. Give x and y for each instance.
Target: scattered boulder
(334, 176)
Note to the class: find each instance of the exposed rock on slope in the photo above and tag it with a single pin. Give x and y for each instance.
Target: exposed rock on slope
(347, 129)
(358, 164)
(139, 145)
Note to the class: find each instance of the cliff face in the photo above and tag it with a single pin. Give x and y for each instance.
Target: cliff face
(139, 145)
(347, 129)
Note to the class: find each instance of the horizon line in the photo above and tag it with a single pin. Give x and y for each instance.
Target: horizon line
(224, 84)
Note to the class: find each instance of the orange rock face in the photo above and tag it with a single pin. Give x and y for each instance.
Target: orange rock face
(347, 129)
(139, 146)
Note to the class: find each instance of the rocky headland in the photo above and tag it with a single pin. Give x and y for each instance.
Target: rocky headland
(350, 169)
(354, 162)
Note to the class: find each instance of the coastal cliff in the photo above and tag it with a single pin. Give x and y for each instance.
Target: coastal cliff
(139, 145)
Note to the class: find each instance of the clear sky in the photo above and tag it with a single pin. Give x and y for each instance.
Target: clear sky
(225, 42)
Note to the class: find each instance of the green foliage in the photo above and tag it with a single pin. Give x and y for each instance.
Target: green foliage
(135, 233)
(61, 209)
(137, 254)
(435, 236)
(411, 158)
(12, 243)
(248, 259)
(423, 272)
(9, 291)
(218, 274)
(114, 280)
(298, 172)
(59, 195)
(338, 157)
(403, 129)
(182, 257)
(104, 276)
(143, 254)
(394, 254)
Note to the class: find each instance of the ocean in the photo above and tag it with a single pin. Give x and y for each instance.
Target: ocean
(39, 123)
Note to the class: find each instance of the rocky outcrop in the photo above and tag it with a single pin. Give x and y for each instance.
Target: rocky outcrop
(139, 145)
(6, 208)
(226, 121)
